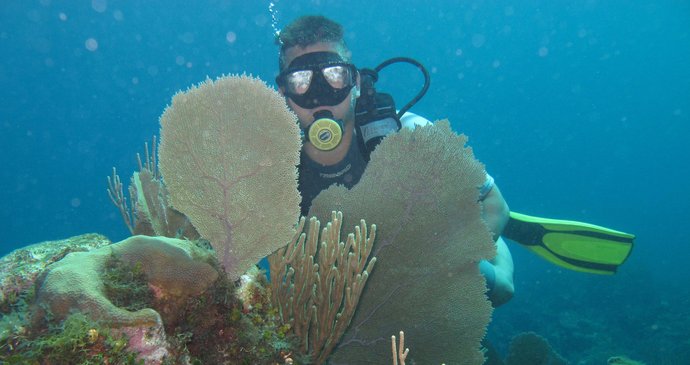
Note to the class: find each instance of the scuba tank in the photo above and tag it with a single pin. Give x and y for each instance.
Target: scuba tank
(375, 113)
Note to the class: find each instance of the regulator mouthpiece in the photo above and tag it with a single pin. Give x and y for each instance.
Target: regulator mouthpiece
(325, 133)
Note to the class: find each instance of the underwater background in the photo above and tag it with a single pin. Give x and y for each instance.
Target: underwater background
(580, 110)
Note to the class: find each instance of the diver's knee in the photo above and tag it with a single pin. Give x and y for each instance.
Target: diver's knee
(507, 292)
(499, 288)
(499, 283)
(503, 292)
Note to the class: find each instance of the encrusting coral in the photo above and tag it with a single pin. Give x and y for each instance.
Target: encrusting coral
(174, 268)
(20, 268)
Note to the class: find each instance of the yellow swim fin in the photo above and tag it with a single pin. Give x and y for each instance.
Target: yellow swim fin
(573, 245)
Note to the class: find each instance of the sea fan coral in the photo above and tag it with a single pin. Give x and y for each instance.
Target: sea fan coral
(430, 237)
(228, 155)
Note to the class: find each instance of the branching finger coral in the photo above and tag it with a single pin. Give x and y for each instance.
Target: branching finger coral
(316, 282)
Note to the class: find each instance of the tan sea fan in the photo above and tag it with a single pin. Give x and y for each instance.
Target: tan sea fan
(421, 189)
(228, 155)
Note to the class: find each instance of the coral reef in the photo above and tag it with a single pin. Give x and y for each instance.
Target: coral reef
(148, 300)
(20, 268)
(531, 349)
(430, 236)
(175, 269)
(78, 340)
(231, 325)
(228, 154)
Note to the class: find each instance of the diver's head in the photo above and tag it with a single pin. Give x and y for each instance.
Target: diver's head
(316, 72)
(309, 30)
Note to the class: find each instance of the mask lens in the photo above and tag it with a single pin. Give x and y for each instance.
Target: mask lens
(317, 79)
(338, 76)
(298, 82)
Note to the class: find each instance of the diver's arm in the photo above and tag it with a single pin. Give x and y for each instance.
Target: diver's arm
(499, 270)
(495, 211)
(411, 120)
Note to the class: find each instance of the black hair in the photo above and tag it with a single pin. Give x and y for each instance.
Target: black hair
(307, 30)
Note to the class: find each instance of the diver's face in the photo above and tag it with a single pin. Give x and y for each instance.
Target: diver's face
(344, 111)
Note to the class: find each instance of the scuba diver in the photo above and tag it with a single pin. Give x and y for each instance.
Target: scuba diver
(342, 118)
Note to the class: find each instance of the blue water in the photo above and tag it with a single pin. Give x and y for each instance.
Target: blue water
(580, 110)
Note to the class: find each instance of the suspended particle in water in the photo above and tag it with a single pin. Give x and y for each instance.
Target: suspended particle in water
(91, 44)
(478, 40)
(231, 37)
(75, 202)
(99, 5)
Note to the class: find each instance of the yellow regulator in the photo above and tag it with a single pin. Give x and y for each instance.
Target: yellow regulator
(325, 133)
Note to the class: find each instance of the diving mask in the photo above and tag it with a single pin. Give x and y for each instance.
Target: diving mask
(318, 79)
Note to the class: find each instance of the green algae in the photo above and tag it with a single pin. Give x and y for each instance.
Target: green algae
(126, 285)
(217, 328)
(77, 340)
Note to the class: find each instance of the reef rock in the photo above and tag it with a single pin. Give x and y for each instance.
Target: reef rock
(174, 270)
(173, 267)
(530, 348)
(622, 360)
(20, 268)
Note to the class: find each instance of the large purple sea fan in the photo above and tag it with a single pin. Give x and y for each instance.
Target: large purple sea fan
(421, 189)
